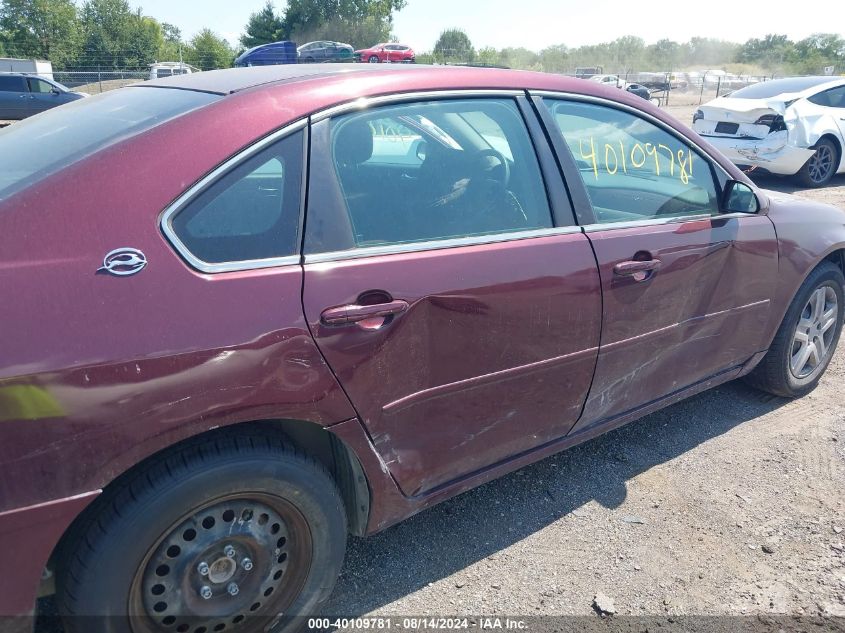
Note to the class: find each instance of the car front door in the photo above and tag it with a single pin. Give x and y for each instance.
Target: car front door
(14, 97)
(686, 288)
(460, 318)
(41, 95)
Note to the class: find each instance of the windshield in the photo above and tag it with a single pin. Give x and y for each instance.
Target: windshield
(43, 144)
(769, 89)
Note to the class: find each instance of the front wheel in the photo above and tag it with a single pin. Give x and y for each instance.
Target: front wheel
(241, 533)
(821, 166)
(807, 338)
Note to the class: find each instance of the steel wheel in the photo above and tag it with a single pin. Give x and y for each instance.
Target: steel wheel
(218, 566)
(813, 337)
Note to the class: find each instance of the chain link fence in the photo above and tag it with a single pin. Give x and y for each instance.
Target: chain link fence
(95, 82)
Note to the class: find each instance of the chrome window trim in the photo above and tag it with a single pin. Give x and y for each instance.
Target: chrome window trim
(364, 103)
(633, 224)
(209, 179)
(571, 96)
(434, 245)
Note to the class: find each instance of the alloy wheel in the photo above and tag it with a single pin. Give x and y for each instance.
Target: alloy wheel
(820, 164)
(811, 342)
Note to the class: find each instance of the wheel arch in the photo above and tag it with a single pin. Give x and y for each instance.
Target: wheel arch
(319, 442)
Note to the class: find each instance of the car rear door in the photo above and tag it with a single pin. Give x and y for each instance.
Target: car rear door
(686, 288)
(14, 97)
(461, 318)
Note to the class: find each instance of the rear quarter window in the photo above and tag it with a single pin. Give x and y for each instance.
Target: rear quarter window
(12, 84)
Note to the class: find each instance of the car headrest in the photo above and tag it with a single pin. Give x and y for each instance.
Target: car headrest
(354, 143)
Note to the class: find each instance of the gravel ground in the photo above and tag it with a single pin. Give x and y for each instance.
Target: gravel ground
(728, 503)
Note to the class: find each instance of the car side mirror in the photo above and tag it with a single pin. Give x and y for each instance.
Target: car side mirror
(739, 198)
(56, 91)
(422, 147)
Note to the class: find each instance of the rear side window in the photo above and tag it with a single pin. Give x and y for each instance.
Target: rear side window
(44, 144)
(12, 83)
(250, 213)
(434, 170)
(632, 169)
(833, 98)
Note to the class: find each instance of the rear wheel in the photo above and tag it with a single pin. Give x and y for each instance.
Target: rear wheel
(373, 59)
(821, 166)
(233, 534)
(807, 338)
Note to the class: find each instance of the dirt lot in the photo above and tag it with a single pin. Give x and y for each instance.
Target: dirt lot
(729, 503)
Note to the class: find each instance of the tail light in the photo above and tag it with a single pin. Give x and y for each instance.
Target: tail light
(774, 121)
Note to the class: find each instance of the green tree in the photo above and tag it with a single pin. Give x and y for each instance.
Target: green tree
(813, 53)
(555, 59)
(488, 56)
(664, 54)
(454, 45)
(771, 52)
(264, 26)
(359, 33)
(520, 58)
(43, 29)
(625, 53)
(358, 22)
(208, 51)
(172, 44)
(115, 36)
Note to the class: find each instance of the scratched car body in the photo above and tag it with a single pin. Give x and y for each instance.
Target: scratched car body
(383, 286)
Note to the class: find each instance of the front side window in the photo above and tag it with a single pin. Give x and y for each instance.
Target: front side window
(250, 213)
(40, 86)
(632, 169)
(437, 170)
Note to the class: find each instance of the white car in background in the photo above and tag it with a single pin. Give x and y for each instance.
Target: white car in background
(610, 80)
(786, 126)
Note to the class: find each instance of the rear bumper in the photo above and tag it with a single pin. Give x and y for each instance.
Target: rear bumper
(29, 536)
(773, 153)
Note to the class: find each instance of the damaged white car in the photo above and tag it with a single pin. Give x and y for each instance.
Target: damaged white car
(786, 126)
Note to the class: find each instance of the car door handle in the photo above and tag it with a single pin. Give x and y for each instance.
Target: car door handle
(353, 313)
(633, 267)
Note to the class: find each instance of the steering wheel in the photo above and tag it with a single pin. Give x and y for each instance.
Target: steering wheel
(505, 177)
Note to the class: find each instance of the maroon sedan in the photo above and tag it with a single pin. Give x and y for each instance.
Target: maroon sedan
(249, 311)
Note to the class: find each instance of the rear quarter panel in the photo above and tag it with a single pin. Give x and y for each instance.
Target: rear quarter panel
(97, 372)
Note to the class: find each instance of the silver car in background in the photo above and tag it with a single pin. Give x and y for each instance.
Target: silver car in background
(792, 126)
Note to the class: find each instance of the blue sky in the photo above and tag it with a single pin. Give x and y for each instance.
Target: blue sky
(539, 23)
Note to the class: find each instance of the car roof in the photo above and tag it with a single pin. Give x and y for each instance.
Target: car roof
(789, 85)
(233, 80)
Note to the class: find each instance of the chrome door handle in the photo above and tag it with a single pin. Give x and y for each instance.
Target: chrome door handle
(353, 313)
(632, 268)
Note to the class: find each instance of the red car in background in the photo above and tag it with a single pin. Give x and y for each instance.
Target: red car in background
(387, 52)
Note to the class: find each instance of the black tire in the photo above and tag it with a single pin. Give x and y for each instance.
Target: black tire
(775, 373)
(373, 59)
(116, 550)
(821, 166)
